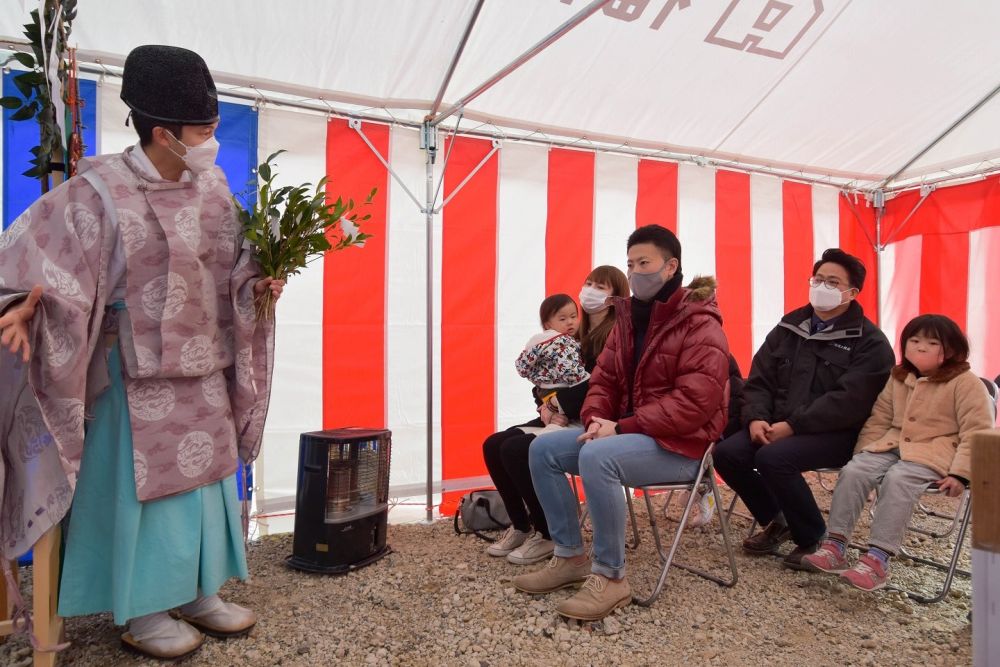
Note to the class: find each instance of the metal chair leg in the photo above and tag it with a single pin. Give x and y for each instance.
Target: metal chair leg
(955, 520)
(667, 559)
(950, 568)
(631, 517)
(822, 482)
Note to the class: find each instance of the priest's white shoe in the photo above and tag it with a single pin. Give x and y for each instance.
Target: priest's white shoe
(217, 618)
(161, 636)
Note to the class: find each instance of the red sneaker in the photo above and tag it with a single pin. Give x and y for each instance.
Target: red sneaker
(828, 558)
(868, 575)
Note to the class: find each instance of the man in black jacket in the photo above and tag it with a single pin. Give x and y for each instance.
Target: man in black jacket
(812, 385)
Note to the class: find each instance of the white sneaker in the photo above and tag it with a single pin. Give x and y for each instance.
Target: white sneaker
(534, 549)
(510, 540)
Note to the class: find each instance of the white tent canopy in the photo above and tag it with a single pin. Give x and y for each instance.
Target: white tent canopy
(840, 90)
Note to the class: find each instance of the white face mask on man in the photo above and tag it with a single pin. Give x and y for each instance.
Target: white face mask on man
(823, 297)
(198, 158)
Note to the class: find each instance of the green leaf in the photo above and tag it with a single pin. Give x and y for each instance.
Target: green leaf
(11, 102)
(25, 112)
(34, 78)
(274, 155)
(25, 87)
(25, 59)
(265, 171)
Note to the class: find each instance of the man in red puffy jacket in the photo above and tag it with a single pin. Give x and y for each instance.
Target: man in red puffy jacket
(657, 398)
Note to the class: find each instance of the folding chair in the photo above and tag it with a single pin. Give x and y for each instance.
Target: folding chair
(962, 516)
(582, 511)
(703, 483)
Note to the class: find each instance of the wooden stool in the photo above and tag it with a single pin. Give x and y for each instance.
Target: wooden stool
(48, 626)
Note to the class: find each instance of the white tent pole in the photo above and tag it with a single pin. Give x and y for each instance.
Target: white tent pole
(428, 142)
(879, 201)
(545, 42)
(455, 59)
(941, 136)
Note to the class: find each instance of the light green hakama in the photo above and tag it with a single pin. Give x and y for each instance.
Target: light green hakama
(135, 558)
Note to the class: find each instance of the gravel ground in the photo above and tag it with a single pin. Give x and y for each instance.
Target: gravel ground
(439, 600)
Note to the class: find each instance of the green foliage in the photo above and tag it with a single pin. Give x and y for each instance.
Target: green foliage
(35, 101)
(289, 226)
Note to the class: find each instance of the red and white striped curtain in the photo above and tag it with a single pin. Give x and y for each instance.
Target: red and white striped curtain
(534, 221)
(946, 259)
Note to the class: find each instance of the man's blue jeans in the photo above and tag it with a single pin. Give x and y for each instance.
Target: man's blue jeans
(605, 464)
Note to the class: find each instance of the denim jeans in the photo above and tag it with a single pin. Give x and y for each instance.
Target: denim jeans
(605, 464)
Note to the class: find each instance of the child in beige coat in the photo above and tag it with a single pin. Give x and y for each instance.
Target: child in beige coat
(918, 435)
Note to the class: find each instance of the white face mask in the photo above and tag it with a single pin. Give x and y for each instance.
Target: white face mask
(198, 158)
(593, 300)
(823, 298)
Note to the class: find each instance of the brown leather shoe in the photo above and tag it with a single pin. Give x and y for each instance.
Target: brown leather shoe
(598, 597)
(768, 540)
(557, 573)
(794, 559)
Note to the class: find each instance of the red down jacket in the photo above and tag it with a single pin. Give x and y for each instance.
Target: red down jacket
(681, 387)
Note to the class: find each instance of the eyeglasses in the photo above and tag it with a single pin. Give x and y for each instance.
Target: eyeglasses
(830, 283)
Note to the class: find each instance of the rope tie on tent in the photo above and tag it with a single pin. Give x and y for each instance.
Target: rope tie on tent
(21, 617)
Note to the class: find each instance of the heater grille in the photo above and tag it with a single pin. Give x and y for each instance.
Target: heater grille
(357, 478)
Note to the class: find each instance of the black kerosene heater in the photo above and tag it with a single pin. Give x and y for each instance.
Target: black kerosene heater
(342, 500)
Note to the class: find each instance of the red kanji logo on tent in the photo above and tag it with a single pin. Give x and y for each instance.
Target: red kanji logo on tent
(765, 27)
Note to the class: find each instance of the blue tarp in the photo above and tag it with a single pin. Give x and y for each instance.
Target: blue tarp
(19, 137)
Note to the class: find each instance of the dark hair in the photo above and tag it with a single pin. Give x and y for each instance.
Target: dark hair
(552, 305)
(144, 128)
(855, 268)
(593, 340)
(661, 237)
(954, 342)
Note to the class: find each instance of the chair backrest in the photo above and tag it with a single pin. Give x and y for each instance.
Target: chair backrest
(993, 391)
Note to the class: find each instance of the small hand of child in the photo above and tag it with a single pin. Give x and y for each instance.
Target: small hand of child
(559, 419)
(545, 414)
(950, 486)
